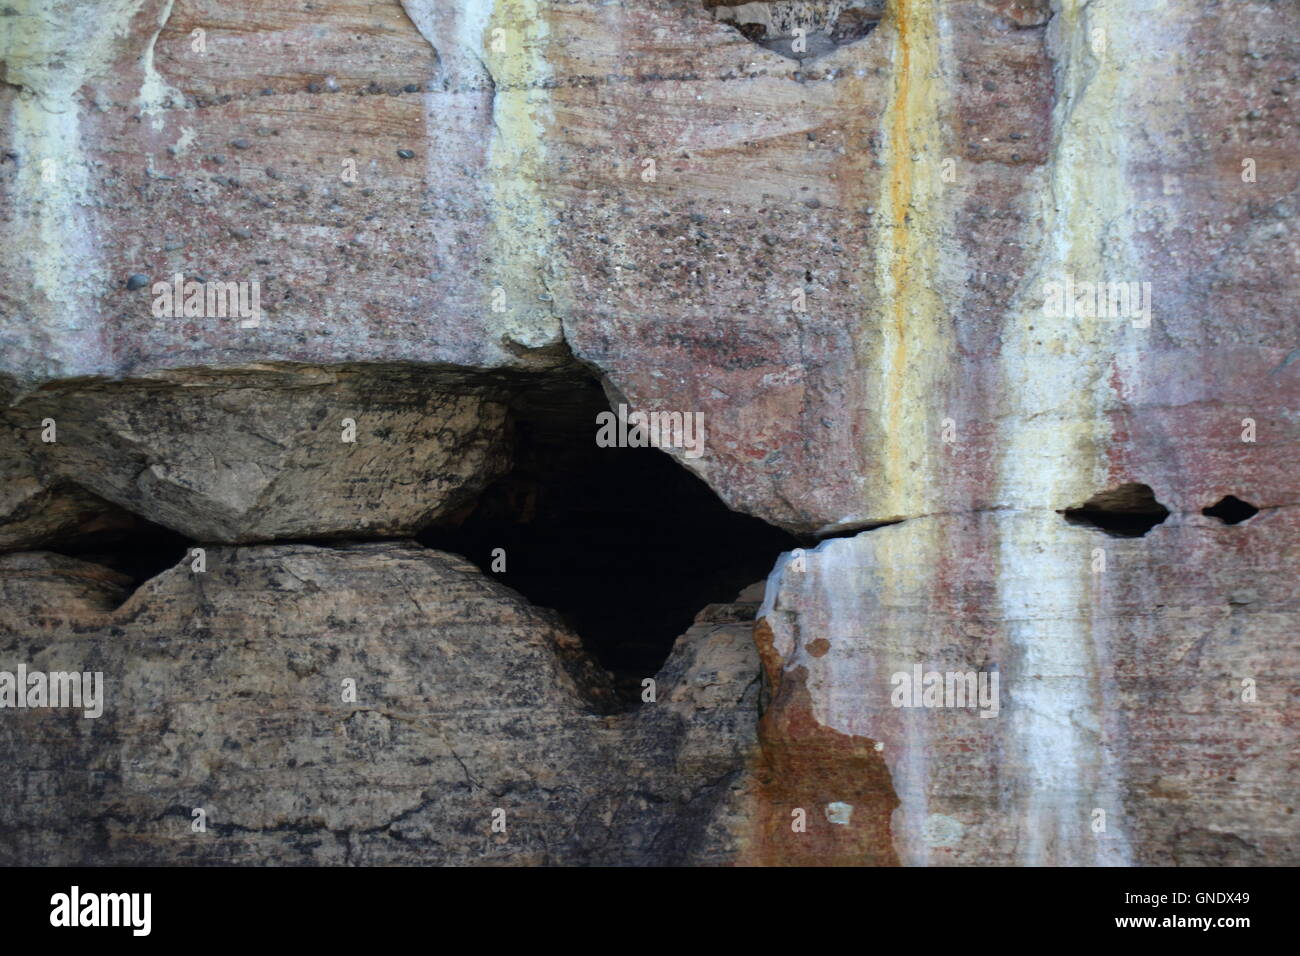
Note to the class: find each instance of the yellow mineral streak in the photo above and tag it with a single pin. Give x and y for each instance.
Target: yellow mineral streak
(912, 353)
(515, 51)
(911, 362)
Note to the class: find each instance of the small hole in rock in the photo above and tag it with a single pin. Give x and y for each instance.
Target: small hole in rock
(1129, 511)
(1231, 510)
(624, 542)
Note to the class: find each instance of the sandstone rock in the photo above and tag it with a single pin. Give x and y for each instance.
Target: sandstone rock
(225, 692)
(907, 188)
(696, 744)
(886, 275)
(800, 30)
(33, 512)
(1023, 13)
(1133, 693)
(263, 454)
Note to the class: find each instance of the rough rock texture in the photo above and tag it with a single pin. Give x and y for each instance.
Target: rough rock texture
(1119, 163)
(800, 30)
(34, 510)
(257, 455)
(1121, 689)
(844, 261)
(225, 692)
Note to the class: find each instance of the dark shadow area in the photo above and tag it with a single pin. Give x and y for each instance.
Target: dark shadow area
(1128, 511)
(125, 543)
(1231, 510)
(625, 543)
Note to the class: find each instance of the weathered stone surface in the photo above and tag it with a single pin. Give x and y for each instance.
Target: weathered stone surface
(800, 30)
(923, 278)
(697, 744)
(844, 261)
(34, 511)
(261, 454)
(1121, 690)
(224, 692)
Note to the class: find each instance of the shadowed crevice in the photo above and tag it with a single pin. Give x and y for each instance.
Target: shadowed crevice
(125, 543)
(1127, 511)
(624, 542)
(1231, 510)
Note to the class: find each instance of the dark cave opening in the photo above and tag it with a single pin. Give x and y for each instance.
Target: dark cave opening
(626, 544)
(1127, 511)
(1231, 510)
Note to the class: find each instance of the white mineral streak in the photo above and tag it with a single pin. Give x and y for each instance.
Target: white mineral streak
(154, 90)
(1057, 375)
(51, 49)
(866, 596)
(504, 44)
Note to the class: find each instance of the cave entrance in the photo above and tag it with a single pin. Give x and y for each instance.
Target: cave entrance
(626, 544)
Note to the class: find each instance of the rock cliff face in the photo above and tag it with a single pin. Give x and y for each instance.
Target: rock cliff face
(986, 307)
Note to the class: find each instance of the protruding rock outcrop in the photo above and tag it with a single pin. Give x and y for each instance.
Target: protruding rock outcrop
(256, 455)
(370, 704)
